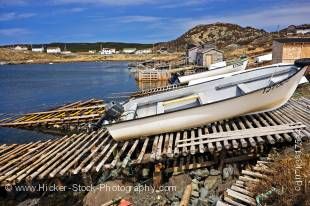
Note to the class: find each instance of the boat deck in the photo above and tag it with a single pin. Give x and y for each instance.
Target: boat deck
(85, 153)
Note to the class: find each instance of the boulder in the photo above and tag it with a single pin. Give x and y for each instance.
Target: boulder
(214, 172)
(195, 186)
(180, 182)
(200, 173)
(195, 194)
(228, 171)
(203, 202)
(30, 202)
(194, 202)
(212, 182)
(203, 192)
(107, 191)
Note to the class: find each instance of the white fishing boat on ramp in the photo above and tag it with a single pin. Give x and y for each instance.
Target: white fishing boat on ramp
(234, 67)
(256, 90)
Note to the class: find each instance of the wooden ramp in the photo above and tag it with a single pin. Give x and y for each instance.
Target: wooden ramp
(62, 117)
(91, 153)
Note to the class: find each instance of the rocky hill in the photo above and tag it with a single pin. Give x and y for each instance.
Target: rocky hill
(231, 38)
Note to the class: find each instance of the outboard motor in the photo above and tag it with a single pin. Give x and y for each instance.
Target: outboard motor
(174, 79)
(302, 62)
(113, 111)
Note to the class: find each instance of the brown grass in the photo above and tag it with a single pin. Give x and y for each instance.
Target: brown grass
(283, 179)
(26, 57)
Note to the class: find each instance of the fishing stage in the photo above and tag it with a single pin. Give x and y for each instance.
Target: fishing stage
(88, 153)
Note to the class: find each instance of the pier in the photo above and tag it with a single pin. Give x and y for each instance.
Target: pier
(230, 140)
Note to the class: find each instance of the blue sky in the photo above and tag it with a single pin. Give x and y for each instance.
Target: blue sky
(144, 21)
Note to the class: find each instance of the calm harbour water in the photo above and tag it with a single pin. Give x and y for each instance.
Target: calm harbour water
(30, 88)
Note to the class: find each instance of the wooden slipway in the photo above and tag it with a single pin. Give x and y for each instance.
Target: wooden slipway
(73, 114)
(88, 153)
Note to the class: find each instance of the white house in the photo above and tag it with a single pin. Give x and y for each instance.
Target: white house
(107, 51)
(263, 58)
(21, 48)
(303, 29)
(37, 49)
(53, 50)
(129, 50)
(92, 51)
(143, 51)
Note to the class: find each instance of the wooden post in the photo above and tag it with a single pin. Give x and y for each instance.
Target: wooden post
(186, 195)
(157, 176)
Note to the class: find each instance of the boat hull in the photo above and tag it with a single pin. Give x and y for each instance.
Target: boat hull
(262, 100)
(214, 72)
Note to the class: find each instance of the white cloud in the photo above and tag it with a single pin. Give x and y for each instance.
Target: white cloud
(11, 32)
(13, 16)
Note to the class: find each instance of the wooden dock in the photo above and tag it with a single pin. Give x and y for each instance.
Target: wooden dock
(85, 153)
(70, 115)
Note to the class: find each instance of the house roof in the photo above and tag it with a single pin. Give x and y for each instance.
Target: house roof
(293, 40)
(203, 50)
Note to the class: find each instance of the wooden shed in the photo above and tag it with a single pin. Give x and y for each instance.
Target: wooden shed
(206, 57)
(287, 50)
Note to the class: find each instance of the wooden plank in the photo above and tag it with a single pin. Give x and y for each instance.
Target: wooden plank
(210, 145)
(201, 147)
(192, 148)
(142, 152)
(220, 128)
(184, 149)
(169, 151)
(166, 145)
(236, 136)
(251, 140)
(101, 163)
(159, 147)
(243, 191)
(154, 148)
(242, 197)
(50, 120)
(254, 174)
(233, 202)
(176, 151)
(128, 157)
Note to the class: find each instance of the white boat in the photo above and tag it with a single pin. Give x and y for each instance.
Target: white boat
(237, 66)
(251, 91)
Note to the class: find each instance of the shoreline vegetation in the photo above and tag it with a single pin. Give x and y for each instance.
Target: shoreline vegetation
(9, 56)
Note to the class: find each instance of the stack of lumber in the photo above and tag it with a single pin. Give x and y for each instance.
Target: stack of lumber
(242, 192)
